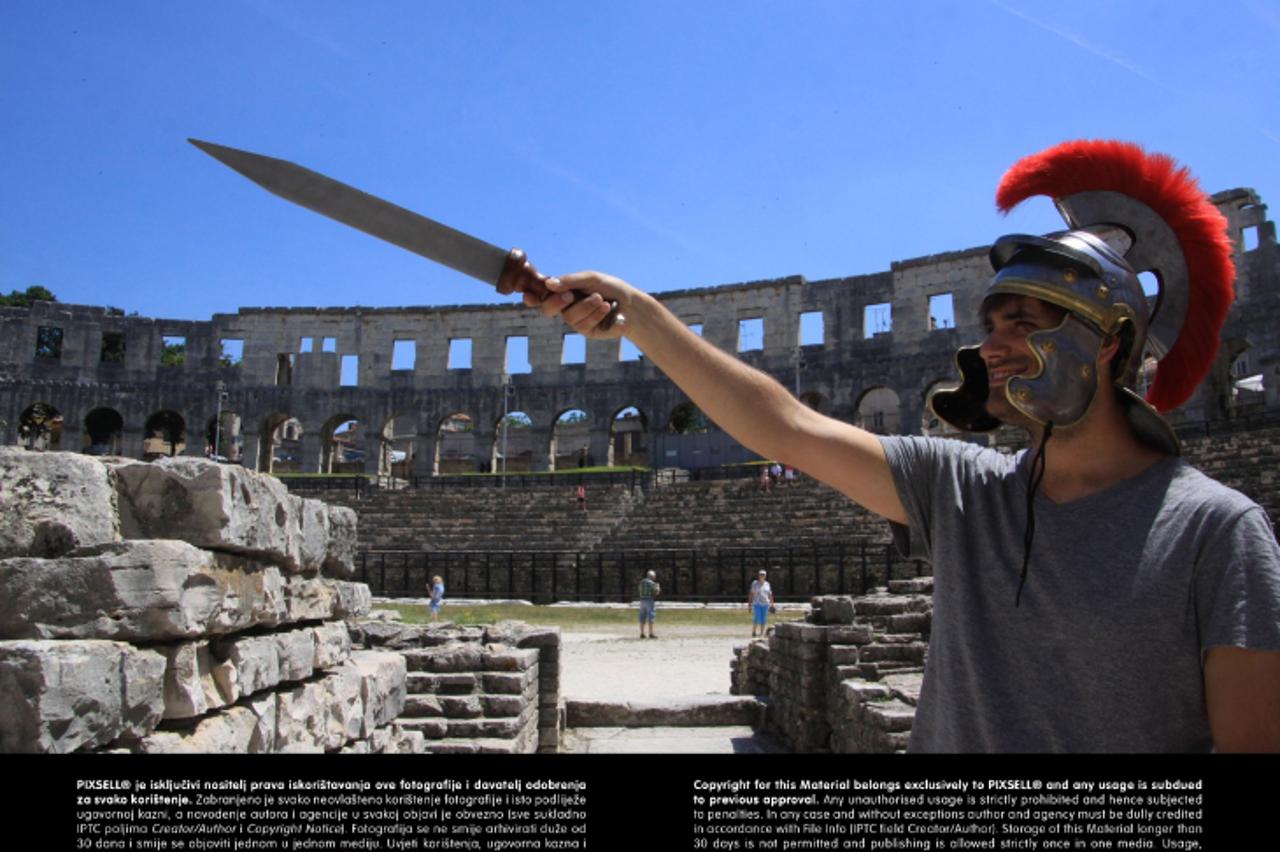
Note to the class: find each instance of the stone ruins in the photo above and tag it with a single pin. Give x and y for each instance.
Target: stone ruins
(190, 606)
(421, 391)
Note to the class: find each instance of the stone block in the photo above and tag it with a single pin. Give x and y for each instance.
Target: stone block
(883, 604)
(856, 691)
(798, 631)
(296, 651)
(354, 600)
(340, 554)
(461, 706)
(66, 696)
(310, 599)
(460, 683)
(850, 634)
(231, 731)
(889, 716)
(393, 634)
(912, 652)
(914, 586)
(462, 657)
(843, 655)
(54, 503)
(910, 622)
(195, 681)
(344, 716)
(501, 659)
(483, 728)
(833, 609)
(148, 591)
(514, 683)
(217, 506)
(254, 662)
(382, 686)
(264, 707)
(332, 645)
(404, 741)
(356, 747)
(301, 719)
(708, 711)
(432, 728)
(540, 637)
(417, 706)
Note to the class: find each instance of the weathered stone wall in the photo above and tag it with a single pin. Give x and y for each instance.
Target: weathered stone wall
(182, 606)
(292, 364)
(848, 677)
(188, 606)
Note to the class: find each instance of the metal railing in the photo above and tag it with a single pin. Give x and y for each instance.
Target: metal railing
(723, 574)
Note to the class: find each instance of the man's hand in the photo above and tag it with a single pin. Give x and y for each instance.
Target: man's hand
(594, 291)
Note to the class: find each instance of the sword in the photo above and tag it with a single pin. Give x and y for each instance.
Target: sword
(508, 271)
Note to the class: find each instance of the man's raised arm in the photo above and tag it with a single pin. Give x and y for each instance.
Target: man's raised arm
(745, 402)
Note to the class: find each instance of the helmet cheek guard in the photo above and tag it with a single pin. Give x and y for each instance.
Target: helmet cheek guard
(965, 407)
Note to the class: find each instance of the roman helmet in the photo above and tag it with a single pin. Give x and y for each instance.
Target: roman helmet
(1127, 212)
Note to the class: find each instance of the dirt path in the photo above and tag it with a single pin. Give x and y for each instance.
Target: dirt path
(615, 664)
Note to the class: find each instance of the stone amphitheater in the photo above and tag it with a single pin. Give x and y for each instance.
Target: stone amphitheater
(184, 605)
(153, 601)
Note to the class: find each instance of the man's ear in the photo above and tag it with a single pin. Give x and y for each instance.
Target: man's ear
(1107, 355)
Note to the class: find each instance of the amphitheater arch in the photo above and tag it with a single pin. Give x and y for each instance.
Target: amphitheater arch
(165, 434)
(399, 445)
(878, 411)
(223, 437)
(628, 438)
(40, 427)
(570, 440)
(816, 401)
(455, 445)
(513, 437)
(280, 443)
(1245, 384)
(687, 419)
(342, 446)
(103, 432)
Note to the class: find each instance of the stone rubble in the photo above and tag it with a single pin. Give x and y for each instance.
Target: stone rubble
(492, 689)
(847, 679)
(183, 606)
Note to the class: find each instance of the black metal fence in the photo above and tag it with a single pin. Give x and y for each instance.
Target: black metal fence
(796, 573)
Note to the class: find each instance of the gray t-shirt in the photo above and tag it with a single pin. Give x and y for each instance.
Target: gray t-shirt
(1126, 589)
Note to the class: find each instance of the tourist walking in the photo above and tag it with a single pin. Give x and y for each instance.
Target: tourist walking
(436, 588)
(760, 600)
(649, 591)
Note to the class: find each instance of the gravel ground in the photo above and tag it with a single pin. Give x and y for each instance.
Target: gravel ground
(618, 665)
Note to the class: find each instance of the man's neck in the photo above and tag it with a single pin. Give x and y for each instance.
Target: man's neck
(1093, 455)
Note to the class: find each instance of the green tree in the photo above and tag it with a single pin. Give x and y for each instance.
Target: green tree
(173, 355)
(34, 293)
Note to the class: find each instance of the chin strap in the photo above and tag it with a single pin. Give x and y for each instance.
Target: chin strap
(1033, 484)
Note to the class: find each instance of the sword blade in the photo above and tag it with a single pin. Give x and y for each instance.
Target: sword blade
(365, 212)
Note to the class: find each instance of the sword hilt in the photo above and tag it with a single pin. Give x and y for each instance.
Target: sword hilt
(520, 276)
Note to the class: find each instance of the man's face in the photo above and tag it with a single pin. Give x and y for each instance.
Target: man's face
(1008, 320)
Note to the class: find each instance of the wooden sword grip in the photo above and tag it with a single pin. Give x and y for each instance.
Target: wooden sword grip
(520, 276)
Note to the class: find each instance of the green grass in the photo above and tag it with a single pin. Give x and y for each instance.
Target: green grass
(565, 472)
(582, 617)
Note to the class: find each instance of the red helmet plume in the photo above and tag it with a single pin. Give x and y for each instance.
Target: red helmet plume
(1198, 226)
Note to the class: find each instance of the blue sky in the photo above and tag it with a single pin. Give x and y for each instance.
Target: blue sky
(676, 144)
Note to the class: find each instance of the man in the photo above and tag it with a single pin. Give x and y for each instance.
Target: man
(760, 600)
(1096, 593)
(649, 591)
